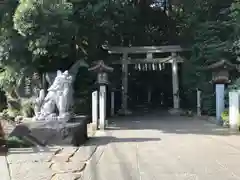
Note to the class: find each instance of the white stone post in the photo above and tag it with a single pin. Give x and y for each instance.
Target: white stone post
(112, 103)
(234, 110)
(198, 102)
(220, 106)
(95, 109)
(102, 107)
(175, 81)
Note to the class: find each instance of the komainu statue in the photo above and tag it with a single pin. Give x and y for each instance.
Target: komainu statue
(57, 103)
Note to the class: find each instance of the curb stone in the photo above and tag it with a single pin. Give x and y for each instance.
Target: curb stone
(4, 169)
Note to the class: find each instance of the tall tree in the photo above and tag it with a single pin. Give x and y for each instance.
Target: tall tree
(210, 28)
(48, 29)
(14, 56)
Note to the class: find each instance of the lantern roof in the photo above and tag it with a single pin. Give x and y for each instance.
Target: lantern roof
(222, 64)
(101, 67)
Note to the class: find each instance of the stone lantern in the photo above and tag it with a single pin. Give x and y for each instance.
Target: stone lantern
(220, 77)
(102, 71)
(220, 71)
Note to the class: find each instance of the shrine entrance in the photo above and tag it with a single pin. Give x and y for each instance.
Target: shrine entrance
(149, 76)
(150, 87)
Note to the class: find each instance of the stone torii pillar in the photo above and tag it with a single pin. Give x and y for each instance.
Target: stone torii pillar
(124, 105)
(124, 83)
(175, 83)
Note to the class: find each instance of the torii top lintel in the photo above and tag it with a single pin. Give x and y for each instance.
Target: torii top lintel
(143, 49)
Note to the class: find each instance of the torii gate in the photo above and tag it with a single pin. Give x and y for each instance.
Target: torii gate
(173, 58)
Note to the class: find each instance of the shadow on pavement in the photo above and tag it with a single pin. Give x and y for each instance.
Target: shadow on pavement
(104, 140)
(170, 124)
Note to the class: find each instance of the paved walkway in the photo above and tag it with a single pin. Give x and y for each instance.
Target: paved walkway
(138, 148)
(167, 148)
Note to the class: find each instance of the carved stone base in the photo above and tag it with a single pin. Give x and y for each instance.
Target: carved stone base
(73, 132)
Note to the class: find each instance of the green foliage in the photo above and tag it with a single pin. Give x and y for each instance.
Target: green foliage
(13, 51)
(8, 79)
(8, 82)
(56, 12)
(48, 35)
(211, 27)
(235, 85)
(12, 112)
(225, 116)
(27, 108)
(49, 31)
(14, 56)
(15, 142)
(47, 27)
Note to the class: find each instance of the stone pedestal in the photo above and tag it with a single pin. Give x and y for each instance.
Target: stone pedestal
(234, 110)
(102, 107)
(42, 133)
(220, 106)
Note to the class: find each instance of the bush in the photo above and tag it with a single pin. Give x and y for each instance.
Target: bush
(81, 106)
(27, 109)
(225, 117)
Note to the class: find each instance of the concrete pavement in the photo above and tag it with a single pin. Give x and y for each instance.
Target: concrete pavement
(151, 147)
(165, 147)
